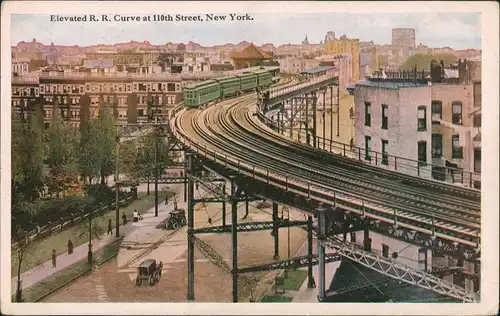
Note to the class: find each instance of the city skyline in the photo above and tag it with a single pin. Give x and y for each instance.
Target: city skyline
(456, 30)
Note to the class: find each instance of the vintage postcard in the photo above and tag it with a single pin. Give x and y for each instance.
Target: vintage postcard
(249, 158)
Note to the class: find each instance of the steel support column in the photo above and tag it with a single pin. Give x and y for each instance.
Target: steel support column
(320, 211)
(185, 177)
(310, 278)
(314, 99)
(224, 206)
(338, 110)
(367, 241)
(246, 207)
(308, 137)
(324, 120)
(234, 237)
(331, 117)
(190, 292)
(275, 232)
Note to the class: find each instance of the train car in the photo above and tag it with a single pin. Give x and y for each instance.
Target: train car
(229, 86)
(248, 81)
(201, 93)
(264, 78)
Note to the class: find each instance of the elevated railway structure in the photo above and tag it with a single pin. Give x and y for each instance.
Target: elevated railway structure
(231, 140)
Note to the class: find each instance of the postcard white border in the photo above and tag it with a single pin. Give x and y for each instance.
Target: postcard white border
(490, 74)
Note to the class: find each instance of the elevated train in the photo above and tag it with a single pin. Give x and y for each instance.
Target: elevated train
(201, 93)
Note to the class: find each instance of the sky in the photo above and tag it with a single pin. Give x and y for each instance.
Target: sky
(456, 30)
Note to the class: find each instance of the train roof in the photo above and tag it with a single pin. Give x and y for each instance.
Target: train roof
(228, 78)
(200, 84)
(260, 71)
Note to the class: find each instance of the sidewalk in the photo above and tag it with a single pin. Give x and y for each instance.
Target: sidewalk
(137, 230)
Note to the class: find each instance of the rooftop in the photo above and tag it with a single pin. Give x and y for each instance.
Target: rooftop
(317, 69)
(251, 52)
(392, 84)
(98, 63)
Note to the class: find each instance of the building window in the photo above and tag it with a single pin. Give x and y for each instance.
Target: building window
(422, 153)
(437, 111)
(477, 120)
(456, 149)
(437, 145)
(140, 112)
(385, 251)
(368, 144)
(385, 144)
(421, 115)
(368, 114)
(477, 94)
(477, 160)
(456, 117)
(384, 116)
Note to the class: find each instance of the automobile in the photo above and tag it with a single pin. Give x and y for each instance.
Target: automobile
(177, 219)
(149, 271)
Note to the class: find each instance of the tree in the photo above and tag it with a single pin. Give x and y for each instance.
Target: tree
(61, 157)
(97, 147)
(107, 138)
(146, 156)
(21, 223)
(89, 159)
(423, 61)
(28, 155)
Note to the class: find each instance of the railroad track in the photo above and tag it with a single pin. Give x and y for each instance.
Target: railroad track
(243, 143)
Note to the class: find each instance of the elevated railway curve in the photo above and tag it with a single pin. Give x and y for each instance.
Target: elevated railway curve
(231, 132)
(231, 138)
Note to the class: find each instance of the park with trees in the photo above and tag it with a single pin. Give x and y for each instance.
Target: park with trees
(62, 171)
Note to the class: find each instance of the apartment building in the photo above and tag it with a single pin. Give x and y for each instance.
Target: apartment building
(25, 94)
(435, 120)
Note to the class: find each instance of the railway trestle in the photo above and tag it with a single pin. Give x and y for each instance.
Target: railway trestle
(292, 110)
(332, 227)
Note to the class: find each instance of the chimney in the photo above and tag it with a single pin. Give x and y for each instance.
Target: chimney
(461, 71)
(436, 71)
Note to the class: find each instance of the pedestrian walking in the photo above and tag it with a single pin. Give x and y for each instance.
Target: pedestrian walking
(54, 257)
(110, 227)
(70, 247)
(135, 216)
(166, 200)
(124, 218)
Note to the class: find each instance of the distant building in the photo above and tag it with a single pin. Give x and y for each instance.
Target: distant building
(403, 37)
(330, 36)
(249, 57)
(20, 66)
(345, 46)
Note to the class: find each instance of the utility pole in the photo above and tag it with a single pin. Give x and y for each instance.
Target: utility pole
(156, 168)
(117, 186)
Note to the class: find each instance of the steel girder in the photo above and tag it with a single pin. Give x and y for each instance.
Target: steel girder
(398, 271)
(215, 200)
(294, 263)
(247, 227)
(217, 190)
(348, 250)
(291, 94)
(425, 241)
(211, 254)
